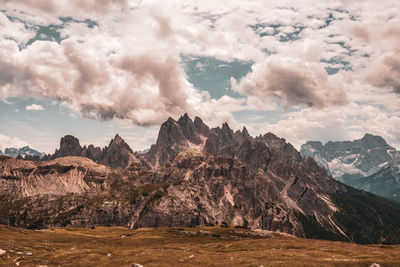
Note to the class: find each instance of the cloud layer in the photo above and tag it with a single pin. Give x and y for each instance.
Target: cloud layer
(122, 60)
(8, 142)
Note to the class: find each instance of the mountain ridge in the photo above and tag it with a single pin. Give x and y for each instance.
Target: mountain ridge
(195, 175)
(368, 163)
(25, 151)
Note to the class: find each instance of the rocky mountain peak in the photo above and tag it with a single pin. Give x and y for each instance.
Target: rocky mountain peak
(117, 141)
(69, 141)
(118, 153)
(245, 134)
(69, 146)
(370, 141)
(281, 147)
(201, 126)
(171, 134)
(175, 136)
(184, 118)
(189, 129)
(363, 157)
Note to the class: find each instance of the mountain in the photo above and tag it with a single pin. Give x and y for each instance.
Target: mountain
(175, 136)
(119, 154)
(385, 182)
(369, 163)
(116, 154)
(196, 176)
(25, 151)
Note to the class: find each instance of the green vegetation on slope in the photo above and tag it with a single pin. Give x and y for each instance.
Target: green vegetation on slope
(364, 217)
(367, 218)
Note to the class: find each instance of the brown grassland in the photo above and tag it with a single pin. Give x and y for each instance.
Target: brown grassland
(199, 246)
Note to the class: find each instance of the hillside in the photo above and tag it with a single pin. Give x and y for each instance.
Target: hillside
(200, 246)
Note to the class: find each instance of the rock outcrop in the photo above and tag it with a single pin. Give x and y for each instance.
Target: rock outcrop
(61, 176)
(69, 146)
(116, 154)
(175, 136)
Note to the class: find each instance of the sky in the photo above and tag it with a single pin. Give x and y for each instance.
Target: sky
(304, 70)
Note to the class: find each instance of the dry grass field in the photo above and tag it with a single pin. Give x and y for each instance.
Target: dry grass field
(200, 246)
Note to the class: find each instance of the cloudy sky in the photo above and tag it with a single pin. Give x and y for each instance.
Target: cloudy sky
(304, 70)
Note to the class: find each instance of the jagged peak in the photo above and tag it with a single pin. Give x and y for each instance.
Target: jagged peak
(198, 119)
(170, 120)
(184, 117)
(225, 127)
(184, 120)
(118, 140)
(245, 133)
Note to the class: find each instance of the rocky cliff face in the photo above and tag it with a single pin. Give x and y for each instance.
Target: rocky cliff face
(116, 154)
(369, 163)
(61, 176)
(69, 146)
(175, 136)
(199, 176)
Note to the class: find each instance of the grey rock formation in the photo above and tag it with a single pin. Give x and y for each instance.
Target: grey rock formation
(116, 154)
(364, 156)
(69, 146)
(175, 136)
(92, 152)
(25, 151)
(369, 163)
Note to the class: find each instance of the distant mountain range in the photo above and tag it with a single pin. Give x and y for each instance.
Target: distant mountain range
(193, 175)
(25, 151)
(369, 163)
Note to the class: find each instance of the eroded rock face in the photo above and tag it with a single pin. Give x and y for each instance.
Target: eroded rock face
(56, 177)
(175, 136)
(116, 154)
(69, 146)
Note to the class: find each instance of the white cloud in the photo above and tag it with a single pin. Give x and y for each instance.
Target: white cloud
(292, 82)
(332, 124)
(34, 107)
(128, 68)
(8, 142)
